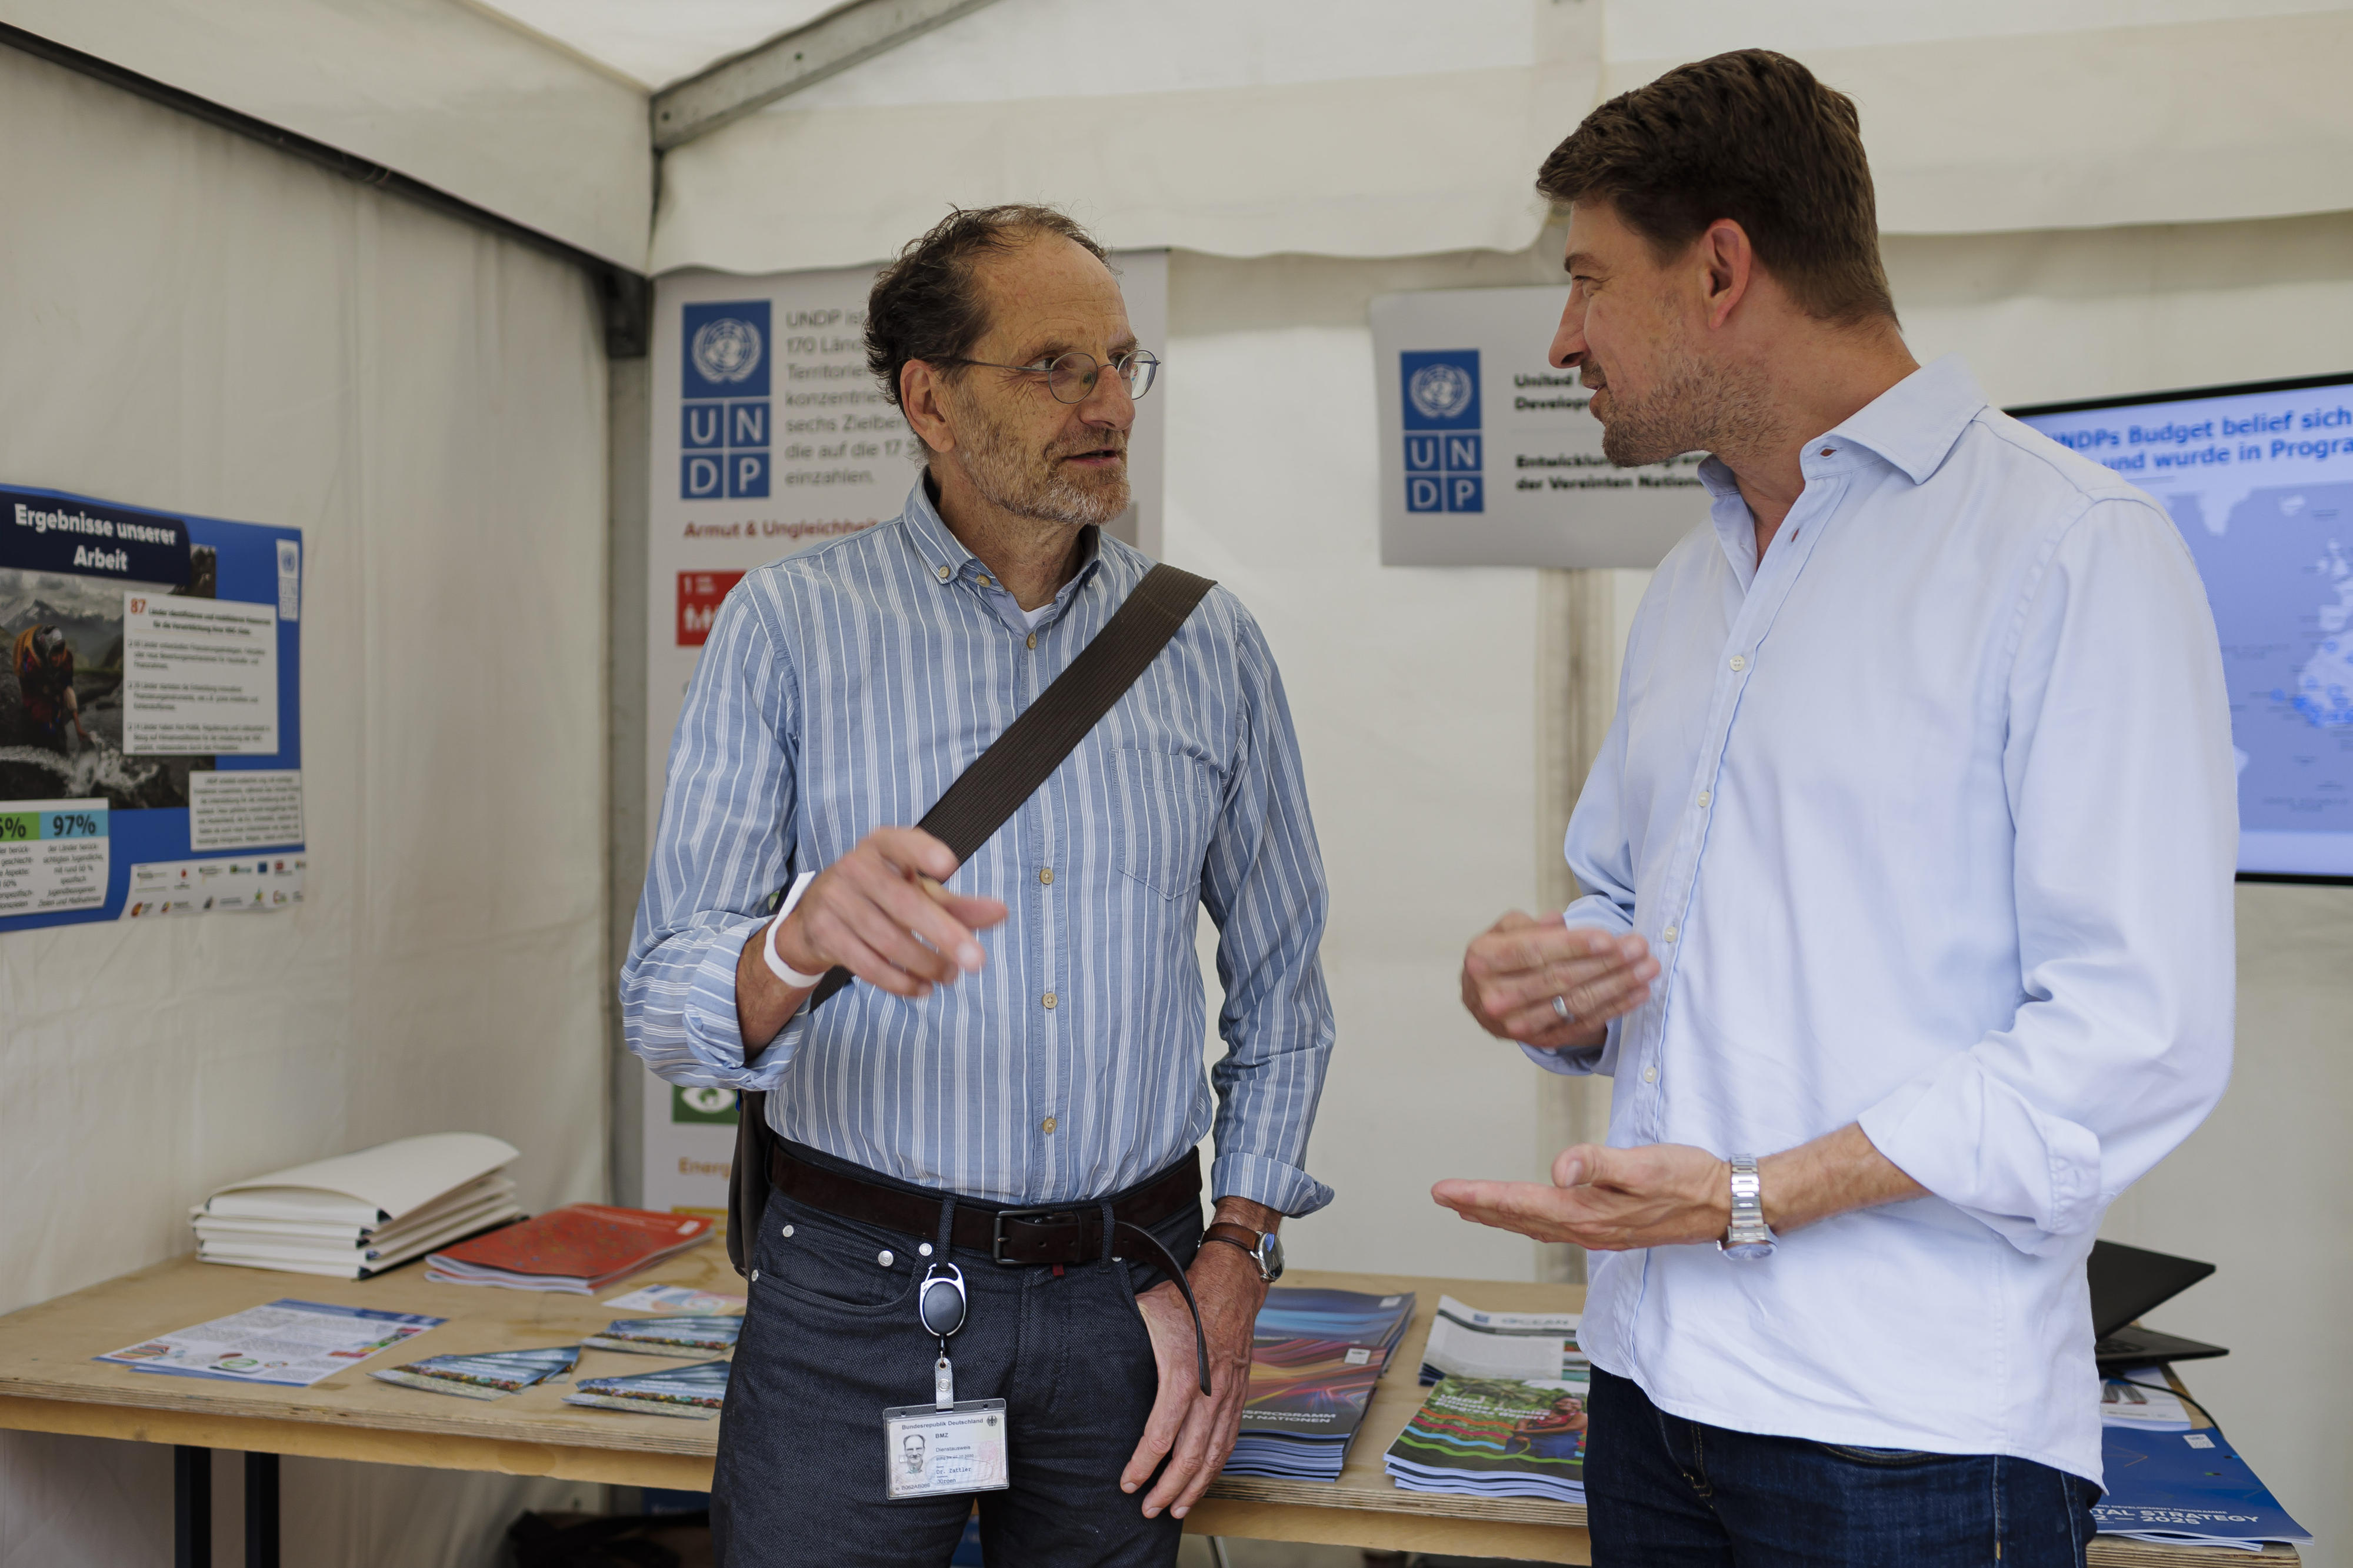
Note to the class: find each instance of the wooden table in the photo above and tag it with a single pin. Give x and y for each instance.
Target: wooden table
(48, 1383)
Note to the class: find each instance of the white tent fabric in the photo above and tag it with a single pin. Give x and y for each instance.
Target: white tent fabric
(191, 322)
(457, 98)
(2198, 112)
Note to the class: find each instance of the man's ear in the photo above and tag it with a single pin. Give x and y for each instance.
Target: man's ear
(923, 398)
(1728, 265)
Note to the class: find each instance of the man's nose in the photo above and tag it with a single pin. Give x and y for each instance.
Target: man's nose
(1108, 404)
(1568, 340)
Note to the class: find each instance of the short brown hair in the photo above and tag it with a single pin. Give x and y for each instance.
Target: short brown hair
(1749, 136)
(925, 305)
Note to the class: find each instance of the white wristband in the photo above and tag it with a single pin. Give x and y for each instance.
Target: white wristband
(778, 966)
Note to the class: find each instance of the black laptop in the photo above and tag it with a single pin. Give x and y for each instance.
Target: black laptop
(2127, 1281)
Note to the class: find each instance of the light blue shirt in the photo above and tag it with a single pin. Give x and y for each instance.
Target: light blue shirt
(842, 690)
(1931, 820)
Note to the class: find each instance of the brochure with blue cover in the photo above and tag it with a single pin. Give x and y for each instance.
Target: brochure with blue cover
(695, 1392)
(493, 1375)
(2187, 1487)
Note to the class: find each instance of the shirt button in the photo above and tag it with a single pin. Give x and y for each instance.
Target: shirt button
(1046, 875)
(1739, 663)
(987, 581)
(1650, 1075)
(946, 572)
(1033, 639)
(1049, 1000)
(1047, 1125)
(1670, 933)
(1704, 798)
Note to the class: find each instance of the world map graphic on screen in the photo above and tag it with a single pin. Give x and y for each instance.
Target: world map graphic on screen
(2261, 485)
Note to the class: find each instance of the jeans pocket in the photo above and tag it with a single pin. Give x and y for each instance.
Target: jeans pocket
(834, 1263)
(1887, 1459)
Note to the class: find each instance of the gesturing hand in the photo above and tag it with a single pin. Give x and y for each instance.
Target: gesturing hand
(879, 913)
(1608, 1200)
(1196, 1434)
(1511, 972)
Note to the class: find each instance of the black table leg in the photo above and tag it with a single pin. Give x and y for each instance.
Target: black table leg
(192, 1508)
(261, 1511)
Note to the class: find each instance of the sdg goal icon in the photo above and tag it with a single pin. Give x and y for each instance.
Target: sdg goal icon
(723, 402)
(1444, 463)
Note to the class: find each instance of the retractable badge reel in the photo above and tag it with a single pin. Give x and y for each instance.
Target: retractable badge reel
(946, 1445)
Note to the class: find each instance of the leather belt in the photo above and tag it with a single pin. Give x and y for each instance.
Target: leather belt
(1017, 1237)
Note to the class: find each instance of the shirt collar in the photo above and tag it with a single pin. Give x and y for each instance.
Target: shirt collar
(1914, 423)
(949, 561)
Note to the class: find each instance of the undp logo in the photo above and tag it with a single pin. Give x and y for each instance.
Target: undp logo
(1444, 457)
(724, 401)
(1441, 391)
(725, 349)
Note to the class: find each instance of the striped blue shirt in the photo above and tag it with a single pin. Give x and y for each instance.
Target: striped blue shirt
(842, 690)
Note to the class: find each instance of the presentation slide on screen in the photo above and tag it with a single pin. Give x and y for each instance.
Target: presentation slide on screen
(2261, 485)
(151, 745)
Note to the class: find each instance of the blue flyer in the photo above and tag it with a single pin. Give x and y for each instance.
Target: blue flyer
(2186, 1486)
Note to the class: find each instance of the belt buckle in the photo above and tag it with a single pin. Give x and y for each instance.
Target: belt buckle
(996, 1234)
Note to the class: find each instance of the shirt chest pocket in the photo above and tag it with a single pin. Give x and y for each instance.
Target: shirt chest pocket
(1163, 807)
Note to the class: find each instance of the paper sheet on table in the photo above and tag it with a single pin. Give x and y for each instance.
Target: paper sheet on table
(289, 1342)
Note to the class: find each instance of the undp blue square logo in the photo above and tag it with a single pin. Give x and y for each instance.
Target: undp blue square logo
(726, 350)
(1442, 389)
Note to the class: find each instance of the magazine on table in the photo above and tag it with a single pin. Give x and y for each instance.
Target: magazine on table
(491, 1374)
(695, 1392)
(1465, 1341)
(1497, 1437)
(2187, 1488)
(695, 1333)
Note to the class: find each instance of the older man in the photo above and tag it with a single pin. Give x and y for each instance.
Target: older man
(1909, 933)
(1021, 1053)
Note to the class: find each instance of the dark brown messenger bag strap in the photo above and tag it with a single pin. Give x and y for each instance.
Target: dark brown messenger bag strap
(983, 799)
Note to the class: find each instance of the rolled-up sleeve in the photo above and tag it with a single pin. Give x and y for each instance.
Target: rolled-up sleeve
(2120, 780)
(1263, 886)
(721, 851)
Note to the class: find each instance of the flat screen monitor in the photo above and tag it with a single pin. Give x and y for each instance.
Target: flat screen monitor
(2259, 479)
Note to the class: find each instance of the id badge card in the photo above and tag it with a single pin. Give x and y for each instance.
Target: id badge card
(931, 1451)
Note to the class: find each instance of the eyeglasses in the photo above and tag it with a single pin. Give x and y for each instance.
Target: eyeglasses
(1071, 377)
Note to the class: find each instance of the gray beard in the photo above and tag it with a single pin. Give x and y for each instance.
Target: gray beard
(1032, 485)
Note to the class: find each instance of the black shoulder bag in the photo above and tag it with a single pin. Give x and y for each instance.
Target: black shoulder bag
(979, 803)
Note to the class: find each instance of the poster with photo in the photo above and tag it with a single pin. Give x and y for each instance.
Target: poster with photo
(149, 712)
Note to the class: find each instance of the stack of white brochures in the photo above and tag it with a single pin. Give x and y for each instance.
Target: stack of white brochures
(1467, 1342)
(358, 1214)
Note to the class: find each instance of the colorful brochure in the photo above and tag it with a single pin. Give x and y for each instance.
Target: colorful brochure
(1497, 1437)
(694, 1334)
(493, 1374)
(695, 1392)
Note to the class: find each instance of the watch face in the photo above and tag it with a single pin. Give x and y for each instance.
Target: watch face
(1747, 1251)
(1269, 1257)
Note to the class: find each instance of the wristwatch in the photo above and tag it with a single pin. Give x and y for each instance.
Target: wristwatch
(1265, 1248)
(1749, 1236)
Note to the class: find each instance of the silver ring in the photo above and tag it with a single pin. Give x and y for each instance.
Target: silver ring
(1560, 1010)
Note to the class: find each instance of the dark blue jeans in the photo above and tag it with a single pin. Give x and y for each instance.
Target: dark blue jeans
(830, 1338)
(1664, 1492)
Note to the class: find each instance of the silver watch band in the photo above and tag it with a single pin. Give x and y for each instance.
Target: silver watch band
(1747, 1236)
